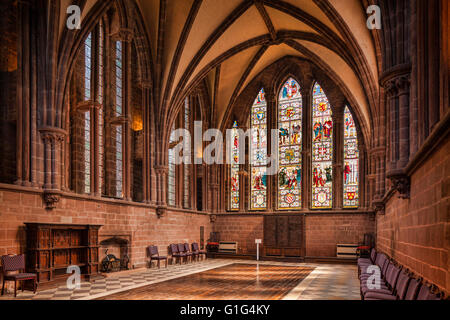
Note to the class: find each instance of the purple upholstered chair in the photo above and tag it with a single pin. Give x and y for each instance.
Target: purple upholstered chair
(16, 263)
(413, 289)
(196, 249)
(391, 281)
(154, 255)
(176, 253)
(370, 260)
(398, 294)
(426, 294)
(183, 251)
(193, 255)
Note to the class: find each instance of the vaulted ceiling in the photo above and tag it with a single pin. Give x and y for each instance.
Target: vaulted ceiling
(230, 42)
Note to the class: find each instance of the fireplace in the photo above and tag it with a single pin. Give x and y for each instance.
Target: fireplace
(115, 250)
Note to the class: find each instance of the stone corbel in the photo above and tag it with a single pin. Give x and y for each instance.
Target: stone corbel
(161, 211)
(401, 183)
(87, 106)
(51, 199)
(378, 206)
(119, 120)
(212, 218)
(123, 34)
(145, 84)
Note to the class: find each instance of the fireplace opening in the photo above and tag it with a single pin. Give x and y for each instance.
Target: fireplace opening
(115, 251)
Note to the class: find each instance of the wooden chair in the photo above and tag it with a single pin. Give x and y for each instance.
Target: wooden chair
(154, 255)
(175, 253)
(182, 249)
(16, 263)
(196, 250)
(194, 255)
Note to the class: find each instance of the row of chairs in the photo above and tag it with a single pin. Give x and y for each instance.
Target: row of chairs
(396, 283)
(180, 251)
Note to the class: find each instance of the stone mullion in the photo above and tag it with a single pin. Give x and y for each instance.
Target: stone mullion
(272, 191)
(307, 152)
(244, 179)
(338, 159)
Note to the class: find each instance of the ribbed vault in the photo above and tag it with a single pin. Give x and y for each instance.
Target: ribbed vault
(228, 43)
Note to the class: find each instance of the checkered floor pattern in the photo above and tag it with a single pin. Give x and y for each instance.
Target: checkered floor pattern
(333, 282)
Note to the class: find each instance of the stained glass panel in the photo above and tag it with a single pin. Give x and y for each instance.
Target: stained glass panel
(290, 146)
(322, 151)
(87, 152)
(187, 167)
(258, 153)
(234, 173)
(171, 174)
(119, 128)
(100, 110)
(351, 162)
(87, 67)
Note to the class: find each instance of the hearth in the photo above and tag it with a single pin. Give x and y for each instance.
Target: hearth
(115, 252)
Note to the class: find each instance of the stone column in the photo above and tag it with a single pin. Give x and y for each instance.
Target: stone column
(24, 94)
(161, 187)
(147, 161)
(402, 84)
(52, 139)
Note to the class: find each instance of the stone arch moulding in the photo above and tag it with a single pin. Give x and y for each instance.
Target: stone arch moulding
(72, 40)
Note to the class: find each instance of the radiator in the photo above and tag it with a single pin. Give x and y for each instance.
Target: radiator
(228, 247)
(347, 251)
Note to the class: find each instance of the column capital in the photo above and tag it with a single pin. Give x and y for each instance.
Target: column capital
(87, 106)
(123, 34)
(161, 169)
(53, 134)
(145, 83)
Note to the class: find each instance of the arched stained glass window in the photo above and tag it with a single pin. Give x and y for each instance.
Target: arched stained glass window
(258, 153)
(322, 150)
(234, 169)
(290, 146)
(351, 162)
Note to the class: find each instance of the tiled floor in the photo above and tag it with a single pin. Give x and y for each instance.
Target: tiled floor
(324, 282)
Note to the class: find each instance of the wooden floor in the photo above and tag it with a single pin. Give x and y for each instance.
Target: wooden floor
(232, 282)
